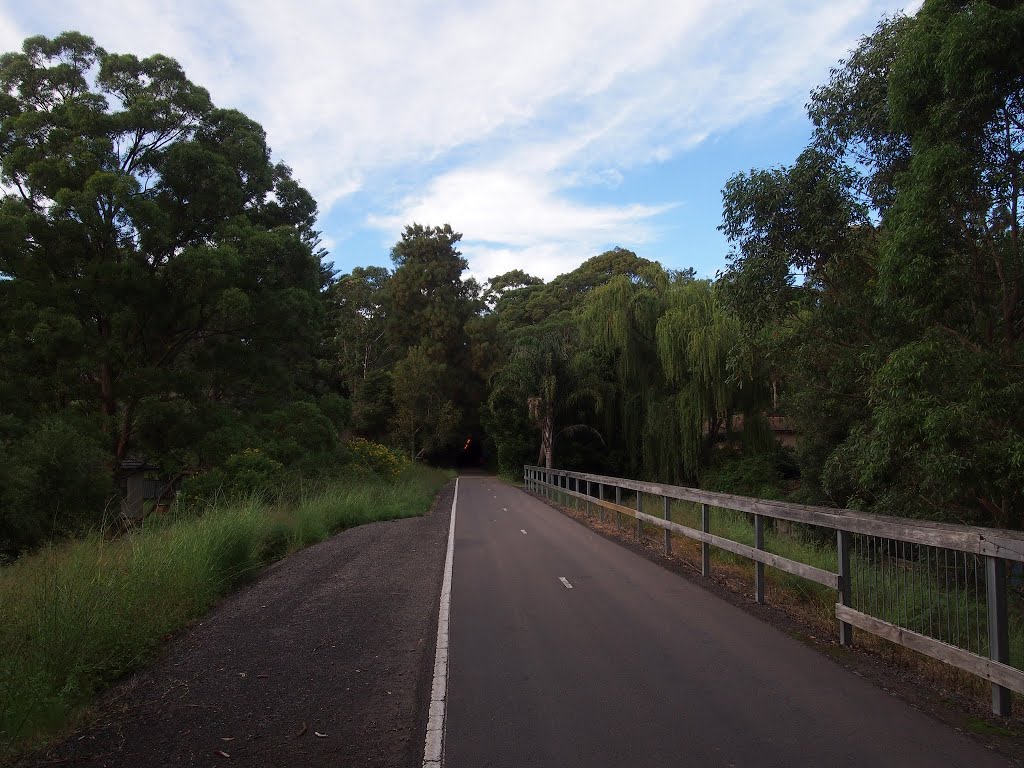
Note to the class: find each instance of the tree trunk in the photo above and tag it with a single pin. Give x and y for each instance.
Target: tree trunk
(548, 438)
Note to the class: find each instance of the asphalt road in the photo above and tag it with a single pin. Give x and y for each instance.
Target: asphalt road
(636, 666)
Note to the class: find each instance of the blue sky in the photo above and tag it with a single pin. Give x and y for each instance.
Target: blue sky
(546, 131)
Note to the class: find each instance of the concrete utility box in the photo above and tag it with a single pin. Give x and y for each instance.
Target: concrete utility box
(136, 488)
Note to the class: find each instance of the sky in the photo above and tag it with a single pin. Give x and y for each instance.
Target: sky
(545, 131)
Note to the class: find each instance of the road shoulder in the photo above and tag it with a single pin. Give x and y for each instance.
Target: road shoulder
(326, 658)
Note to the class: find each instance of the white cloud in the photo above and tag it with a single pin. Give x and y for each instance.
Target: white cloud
(512, 110)
(11, 36)
(516, 219)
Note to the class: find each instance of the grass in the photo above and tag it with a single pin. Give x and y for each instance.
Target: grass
(78, 615)
(982, 728)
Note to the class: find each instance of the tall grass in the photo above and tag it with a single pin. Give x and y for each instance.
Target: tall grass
(76, 616)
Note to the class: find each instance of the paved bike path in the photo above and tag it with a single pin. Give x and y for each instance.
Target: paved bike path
(568, 650)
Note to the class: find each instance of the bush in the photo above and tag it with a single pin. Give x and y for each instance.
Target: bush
(250, 473)
(367, 457)
(758, 474)
(53, 480)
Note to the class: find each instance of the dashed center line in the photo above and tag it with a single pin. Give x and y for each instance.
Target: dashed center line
(565, 582)
(522, 531)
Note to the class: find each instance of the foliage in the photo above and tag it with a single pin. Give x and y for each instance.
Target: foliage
(160, 291)
(163, 297)
(423, 420)
(358, 316)
(882, 273)
(758, 475)
(370, 457)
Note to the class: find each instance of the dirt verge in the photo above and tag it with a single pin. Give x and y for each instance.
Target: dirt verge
(325, 659)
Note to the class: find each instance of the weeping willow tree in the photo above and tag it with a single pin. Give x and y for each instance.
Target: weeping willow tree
(703, 357)
(545, 374)
(682, 372)
(622, 317)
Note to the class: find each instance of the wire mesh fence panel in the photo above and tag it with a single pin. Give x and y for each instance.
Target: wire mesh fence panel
(932, 591)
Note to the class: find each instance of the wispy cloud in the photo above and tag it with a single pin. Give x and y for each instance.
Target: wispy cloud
(499, 117)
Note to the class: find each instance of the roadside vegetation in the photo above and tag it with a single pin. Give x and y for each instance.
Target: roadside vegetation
(80, 614)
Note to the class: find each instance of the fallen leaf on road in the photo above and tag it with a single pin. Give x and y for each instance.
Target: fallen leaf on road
(302, 730)
(227, 738)
(321, 735)
(222, 753)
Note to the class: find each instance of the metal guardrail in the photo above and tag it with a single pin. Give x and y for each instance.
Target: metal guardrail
(937, 588)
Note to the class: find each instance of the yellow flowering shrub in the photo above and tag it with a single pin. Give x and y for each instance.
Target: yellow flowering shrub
(376, 458)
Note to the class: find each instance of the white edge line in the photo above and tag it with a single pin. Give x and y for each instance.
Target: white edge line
(433, 745)
(565, 581)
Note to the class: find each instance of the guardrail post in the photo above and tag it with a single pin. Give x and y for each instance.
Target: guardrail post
(668, 517)
(639, 522)
(998, 628)
(705, 548)
(589, 491)
(845, 591)
(759, 567)
(576, 490)
(618, 501)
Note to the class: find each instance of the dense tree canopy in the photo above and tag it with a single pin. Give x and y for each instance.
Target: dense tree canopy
(161, 283)
(163, 298)
(900, 326)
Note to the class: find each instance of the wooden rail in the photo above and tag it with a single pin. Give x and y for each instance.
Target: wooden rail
(996, 546)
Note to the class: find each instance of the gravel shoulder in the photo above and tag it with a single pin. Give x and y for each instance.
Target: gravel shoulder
(335, 640)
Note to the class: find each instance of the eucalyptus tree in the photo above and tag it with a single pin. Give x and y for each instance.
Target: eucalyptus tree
(799, 275)
(553, 383)
(357, 314)
(906, 310)
(948, 399)
(424, 417)
(160, 273)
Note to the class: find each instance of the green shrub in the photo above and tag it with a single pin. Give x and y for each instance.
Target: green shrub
(369, 457)
(53, 481)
